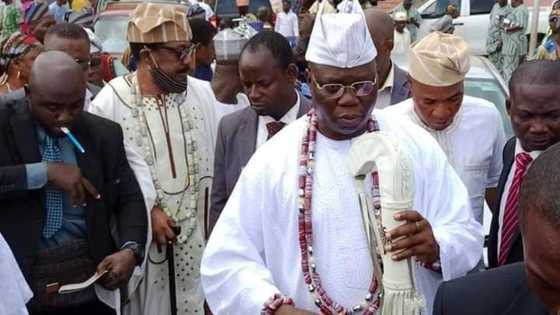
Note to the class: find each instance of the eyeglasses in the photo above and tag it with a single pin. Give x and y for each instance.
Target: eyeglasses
(336, 90)
(181, 52)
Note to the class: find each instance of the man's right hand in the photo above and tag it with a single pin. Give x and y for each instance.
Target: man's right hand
(69, 179)
(162, 227)
(290, 310)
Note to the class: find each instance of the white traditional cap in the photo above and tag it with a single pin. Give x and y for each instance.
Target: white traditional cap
(400, 16)
(439, 59)
(341, 40)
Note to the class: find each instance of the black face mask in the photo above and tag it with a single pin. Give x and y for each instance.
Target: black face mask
(168, 84)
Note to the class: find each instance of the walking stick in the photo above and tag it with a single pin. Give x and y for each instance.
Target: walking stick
(171, 266)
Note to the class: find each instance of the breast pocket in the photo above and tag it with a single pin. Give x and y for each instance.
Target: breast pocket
(475, 177)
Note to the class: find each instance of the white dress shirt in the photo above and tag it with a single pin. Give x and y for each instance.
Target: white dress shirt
(289, 117)
(287, 24)
(507, 186)
(473, 144)
(401, 42)
(384, 93)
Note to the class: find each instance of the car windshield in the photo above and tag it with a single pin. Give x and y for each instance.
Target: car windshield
(491, 91)
(111, 30)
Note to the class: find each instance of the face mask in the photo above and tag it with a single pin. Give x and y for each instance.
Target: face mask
(165, 82)
(168, 84)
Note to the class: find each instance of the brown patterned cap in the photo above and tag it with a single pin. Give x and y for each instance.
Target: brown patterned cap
(158, 23)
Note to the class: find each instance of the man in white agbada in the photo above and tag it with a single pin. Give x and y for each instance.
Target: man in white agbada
(169, 124)
(254, 260)
(469, 130)
(16, 291)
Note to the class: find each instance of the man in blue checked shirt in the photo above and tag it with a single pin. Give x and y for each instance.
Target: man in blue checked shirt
(58, 204)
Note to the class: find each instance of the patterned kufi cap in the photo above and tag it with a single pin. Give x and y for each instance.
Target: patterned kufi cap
(158, 23)
(439, 59)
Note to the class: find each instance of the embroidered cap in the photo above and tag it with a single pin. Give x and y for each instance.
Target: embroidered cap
(439, 59)
(158, 23)
(341, 40)
(400, 16)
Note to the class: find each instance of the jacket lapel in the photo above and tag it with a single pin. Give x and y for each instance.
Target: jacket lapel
(247, 139)
(525, 303)
(304, 105)
(401, 90)
(25, 136)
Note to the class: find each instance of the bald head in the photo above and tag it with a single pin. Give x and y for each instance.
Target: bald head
(56, 71)
(56, 90)
(381, 29)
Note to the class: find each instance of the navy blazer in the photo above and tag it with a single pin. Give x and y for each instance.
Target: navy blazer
(500, 291)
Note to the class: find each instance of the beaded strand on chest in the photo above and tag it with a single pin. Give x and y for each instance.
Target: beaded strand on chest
(305, 190)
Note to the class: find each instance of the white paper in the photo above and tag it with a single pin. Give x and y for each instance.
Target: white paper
(75, 287)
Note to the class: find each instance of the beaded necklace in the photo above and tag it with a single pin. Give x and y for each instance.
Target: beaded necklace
(308, 263)
(184, 211)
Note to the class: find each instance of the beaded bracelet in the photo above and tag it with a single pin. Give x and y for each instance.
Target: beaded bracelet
(274, 303)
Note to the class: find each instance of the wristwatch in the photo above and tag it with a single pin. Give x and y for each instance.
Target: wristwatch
(136, 249)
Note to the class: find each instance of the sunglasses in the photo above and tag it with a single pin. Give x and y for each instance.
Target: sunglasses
(180, 52)
(333, 91)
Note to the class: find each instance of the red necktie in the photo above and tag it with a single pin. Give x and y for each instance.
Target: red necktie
(274, 127)
(510, 224)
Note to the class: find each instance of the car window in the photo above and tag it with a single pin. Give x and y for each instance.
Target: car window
(437, 8)
(491, 91)
(111, 31)
(481, 6)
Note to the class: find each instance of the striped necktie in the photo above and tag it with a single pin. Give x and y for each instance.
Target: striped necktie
(54, 197)
(510, 225)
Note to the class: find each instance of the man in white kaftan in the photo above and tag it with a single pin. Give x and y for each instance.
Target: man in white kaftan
(169, 140)
(469, 130)
(254, 252)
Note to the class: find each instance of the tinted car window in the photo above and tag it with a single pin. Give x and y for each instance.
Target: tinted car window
(481, 6)
(229, 7)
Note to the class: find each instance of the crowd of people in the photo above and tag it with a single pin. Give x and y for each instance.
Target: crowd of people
(220, 173)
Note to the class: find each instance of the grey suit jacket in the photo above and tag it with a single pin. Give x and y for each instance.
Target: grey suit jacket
(401, 86)
(235, 144)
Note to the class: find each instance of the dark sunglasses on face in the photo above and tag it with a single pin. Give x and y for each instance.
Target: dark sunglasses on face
(336, 90)
(180, 52)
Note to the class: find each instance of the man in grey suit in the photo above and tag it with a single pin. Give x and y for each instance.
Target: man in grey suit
(393, 85)
(268, 74)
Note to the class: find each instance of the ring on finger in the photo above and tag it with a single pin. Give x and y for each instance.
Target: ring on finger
(417, 223)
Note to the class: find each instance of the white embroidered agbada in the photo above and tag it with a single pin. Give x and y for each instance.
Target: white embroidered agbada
(254, 252)
(473, 144)
(15, 290)
(144, 128)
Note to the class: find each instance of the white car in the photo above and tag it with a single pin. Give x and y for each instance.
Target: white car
(472, 24)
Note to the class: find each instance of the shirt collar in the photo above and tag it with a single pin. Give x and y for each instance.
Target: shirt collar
(519, 149)
(388, 84)
(290, 116)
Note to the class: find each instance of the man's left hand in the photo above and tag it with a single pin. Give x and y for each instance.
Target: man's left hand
(419, 241)
(120, 266)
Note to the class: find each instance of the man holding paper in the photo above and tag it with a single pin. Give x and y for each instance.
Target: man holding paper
(60, 194)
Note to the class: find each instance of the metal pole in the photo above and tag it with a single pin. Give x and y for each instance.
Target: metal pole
(534, 28)
(171, 266)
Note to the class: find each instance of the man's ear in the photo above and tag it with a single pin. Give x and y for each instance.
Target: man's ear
(292, 73)
(508, 105)
(389, 44)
